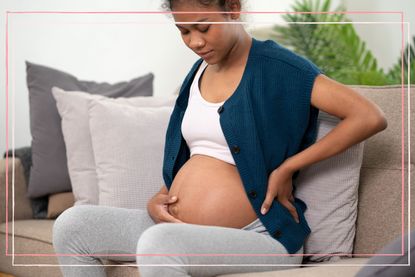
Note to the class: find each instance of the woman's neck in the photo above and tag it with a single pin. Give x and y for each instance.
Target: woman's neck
(237, 55)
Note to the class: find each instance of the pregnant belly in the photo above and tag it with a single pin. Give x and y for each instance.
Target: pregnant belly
(210, 192)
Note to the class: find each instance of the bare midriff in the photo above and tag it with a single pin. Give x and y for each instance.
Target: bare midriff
(210, 192)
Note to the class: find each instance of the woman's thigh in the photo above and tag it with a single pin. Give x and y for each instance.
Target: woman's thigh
(201, 250)
(109, 232)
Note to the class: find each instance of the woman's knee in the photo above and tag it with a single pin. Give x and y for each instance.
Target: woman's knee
(157, 237)
(153, 245)
(161, 238)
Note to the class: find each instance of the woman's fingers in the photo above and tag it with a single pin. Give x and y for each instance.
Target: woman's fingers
(169, 218)
(291, 208)
(170, 199)
(166, 216)
(269, 197)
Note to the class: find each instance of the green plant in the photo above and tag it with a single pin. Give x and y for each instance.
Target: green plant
(395, 72)
(336, 48)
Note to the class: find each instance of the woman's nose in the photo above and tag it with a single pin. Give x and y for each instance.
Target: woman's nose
(196, 43)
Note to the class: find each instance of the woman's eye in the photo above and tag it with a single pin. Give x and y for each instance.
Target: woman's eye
(205, 30)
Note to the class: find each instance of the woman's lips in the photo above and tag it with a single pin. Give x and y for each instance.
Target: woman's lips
(205, 54)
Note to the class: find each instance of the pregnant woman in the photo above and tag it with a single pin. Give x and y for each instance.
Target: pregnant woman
(243, 125)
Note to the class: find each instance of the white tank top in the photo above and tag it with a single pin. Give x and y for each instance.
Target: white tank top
(200, 126)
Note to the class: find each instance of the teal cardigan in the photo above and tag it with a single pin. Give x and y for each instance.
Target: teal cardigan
(267, 119)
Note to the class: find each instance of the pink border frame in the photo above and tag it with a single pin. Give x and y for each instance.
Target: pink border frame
(153, 12)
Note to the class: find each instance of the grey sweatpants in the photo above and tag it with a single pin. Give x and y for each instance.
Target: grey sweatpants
(85, 230)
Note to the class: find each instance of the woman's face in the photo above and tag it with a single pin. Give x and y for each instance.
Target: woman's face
(212, 42)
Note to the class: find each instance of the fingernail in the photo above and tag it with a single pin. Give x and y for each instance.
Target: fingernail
(263, 211)
(173, 198)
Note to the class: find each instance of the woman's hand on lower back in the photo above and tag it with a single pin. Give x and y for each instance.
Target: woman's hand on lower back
(158, 208)
(280, 187)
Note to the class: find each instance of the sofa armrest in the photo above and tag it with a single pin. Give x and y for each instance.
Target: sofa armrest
(22, 207)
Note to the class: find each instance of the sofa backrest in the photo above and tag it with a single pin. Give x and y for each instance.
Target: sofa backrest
(379, 218)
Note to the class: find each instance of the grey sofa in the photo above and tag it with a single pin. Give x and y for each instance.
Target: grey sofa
(379, 208)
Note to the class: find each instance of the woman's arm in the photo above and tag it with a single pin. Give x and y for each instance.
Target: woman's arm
(361, 119)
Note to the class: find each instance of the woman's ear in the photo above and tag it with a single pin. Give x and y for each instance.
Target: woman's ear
(234, 6)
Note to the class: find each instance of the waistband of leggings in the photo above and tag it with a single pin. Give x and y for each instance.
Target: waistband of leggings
(254, 223)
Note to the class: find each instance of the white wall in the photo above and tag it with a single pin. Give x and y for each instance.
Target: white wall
(112, 48)
(103, 48)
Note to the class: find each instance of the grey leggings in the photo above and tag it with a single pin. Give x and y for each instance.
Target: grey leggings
(92, 229)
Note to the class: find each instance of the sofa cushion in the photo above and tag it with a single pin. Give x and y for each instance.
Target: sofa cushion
(385, 148)
(59, 202)
(37, 229)
(27, 261)
(380, 191)
(73, 109)
(16, 188)
(128, 151)
(324, 269)
(329, 188)
(33, 237)
(39, 205)
(380, 208)
(395, 247)
(49, 173)
(120, 269)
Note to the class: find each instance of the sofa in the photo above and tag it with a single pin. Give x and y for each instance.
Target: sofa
(379, 215)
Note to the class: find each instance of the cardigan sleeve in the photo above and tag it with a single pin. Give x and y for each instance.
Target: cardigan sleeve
(294, 81)
(310, 73)
(299, 77)
(310, 135)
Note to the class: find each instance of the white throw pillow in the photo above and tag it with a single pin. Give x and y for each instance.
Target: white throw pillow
(330, 190)
(128, 146)
(73, 109)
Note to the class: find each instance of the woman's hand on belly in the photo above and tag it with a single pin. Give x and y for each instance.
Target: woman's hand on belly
(158, 209)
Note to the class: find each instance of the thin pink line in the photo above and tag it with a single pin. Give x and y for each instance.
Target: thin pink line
(154, 12)
(403, 131)
(220, 254)
(207, 12)
(7, 132)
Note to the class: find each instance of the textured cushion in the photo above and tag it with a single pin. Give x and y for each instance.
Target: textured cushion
(49, 173)
(329, 188)
(128, 151)
(73, 108)
(58, 203)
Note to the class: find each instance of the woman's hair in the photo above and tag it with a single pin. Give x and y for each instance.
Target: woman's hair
(167, 5)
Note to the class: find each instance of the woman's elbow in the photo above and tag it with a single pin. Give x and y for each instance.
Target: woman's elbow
(379, 123)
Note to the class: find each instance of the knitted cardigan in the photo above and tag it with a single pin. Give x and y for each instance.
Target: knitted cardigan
(267, 119)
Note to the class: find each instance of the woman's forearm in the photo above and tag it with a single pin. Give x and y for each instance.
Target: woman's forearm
(347, 133)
